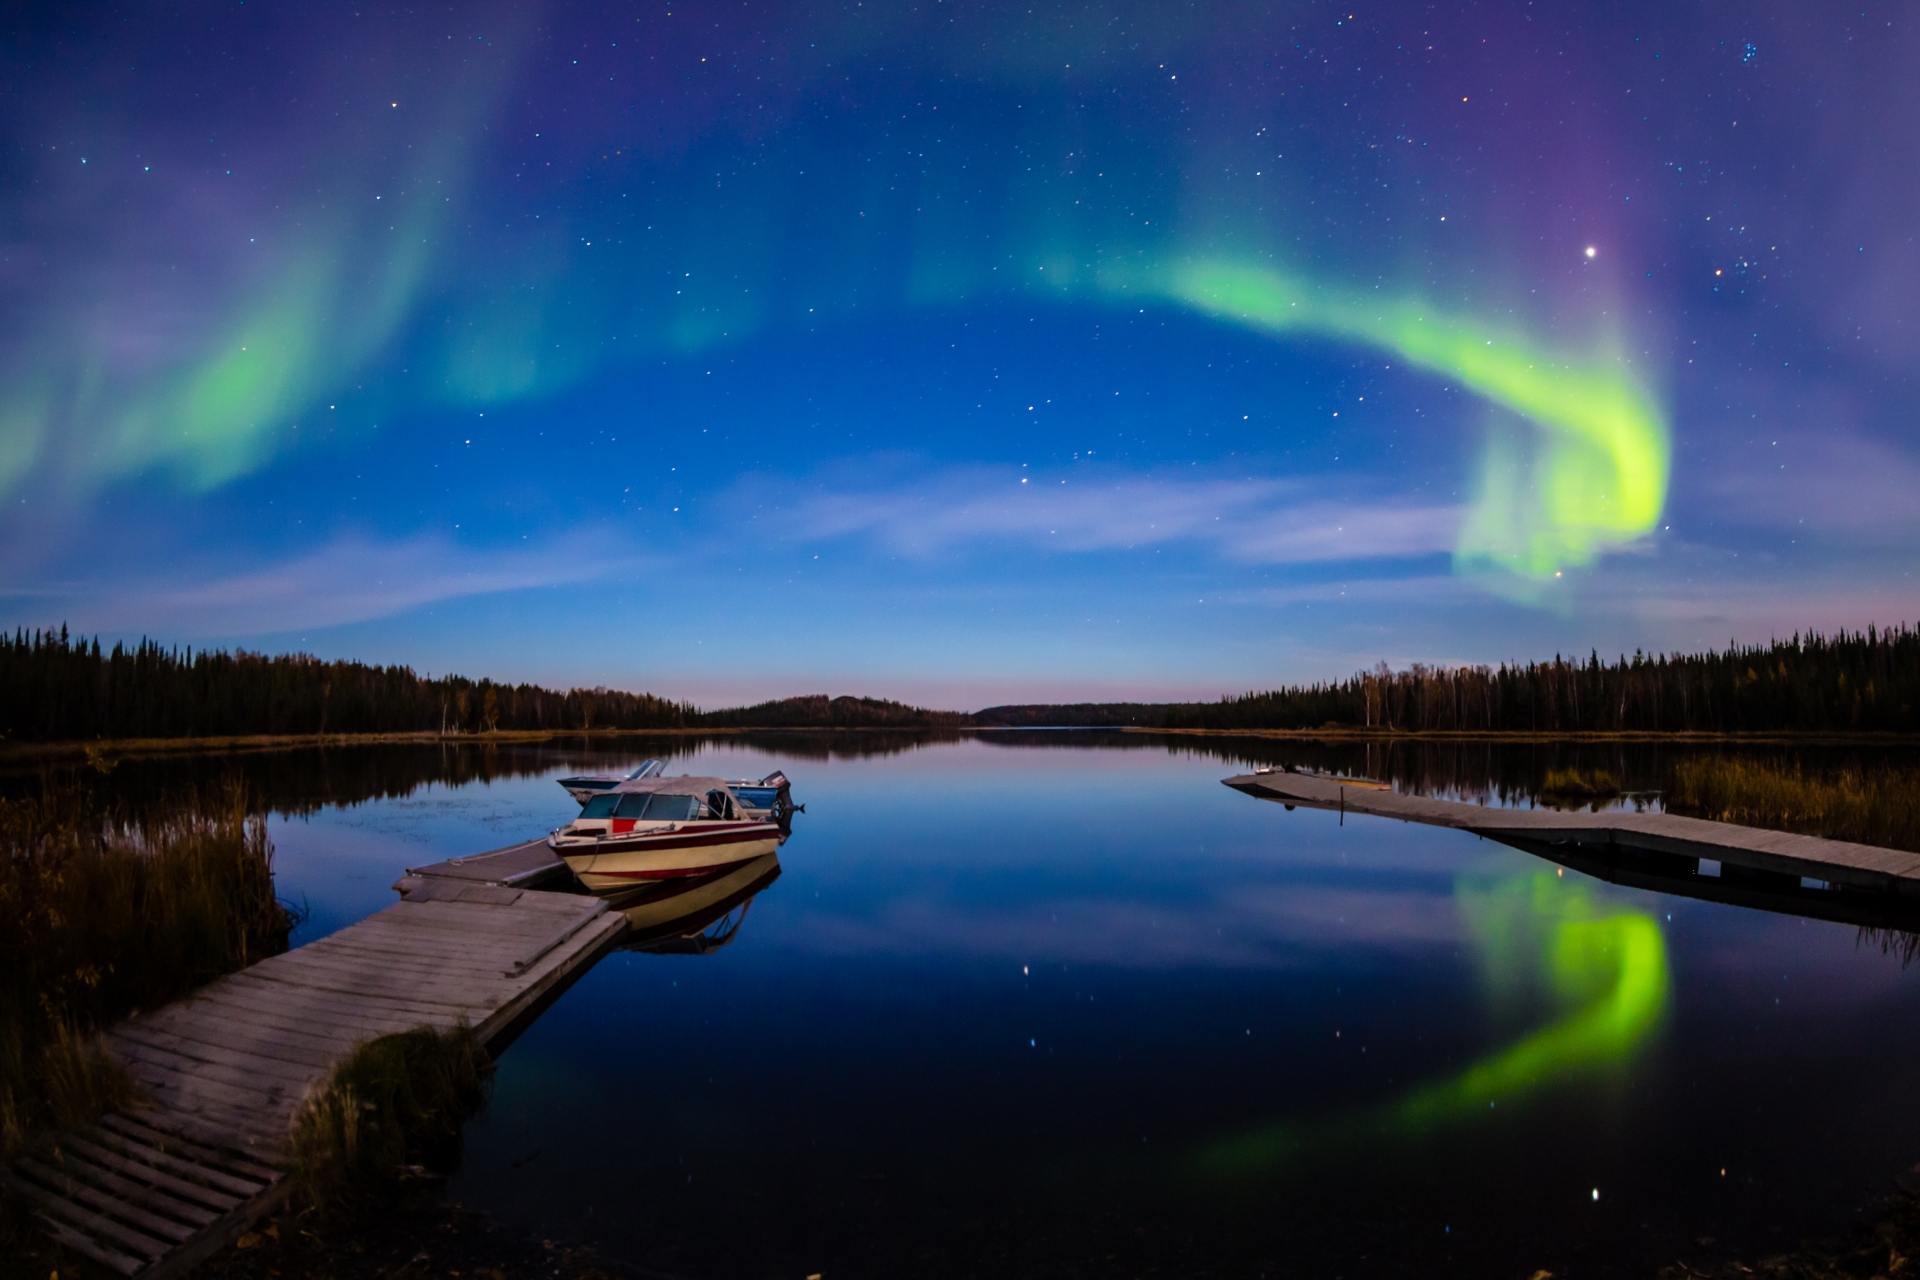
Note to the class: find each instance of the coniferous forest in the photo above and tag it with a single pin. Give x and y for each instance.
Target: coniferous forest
(55, 687)
(1850, 682)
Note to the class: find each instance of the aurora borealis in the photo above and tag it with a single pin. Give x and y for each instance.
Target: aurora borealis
(957, 352)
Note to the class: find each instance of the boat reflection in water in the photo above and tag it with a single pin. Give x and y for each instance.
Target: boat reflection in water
(695, 916)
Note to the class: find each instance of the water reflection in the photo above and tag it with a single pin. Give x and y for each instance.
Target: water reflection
(1601, 968)
(701, 916)
(299, 781)
(1058, 1004)
(1875, 912)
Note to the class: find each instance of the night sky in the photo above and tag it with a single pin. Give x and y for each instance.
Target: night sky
(958, 352)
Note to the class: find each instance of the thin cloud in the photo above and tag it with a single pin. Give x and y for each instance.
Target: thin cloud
(352, 579)
(1838, 483)
(1253, 521)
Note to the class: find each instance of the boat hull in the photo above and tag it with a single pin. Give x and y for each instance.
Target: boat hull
(618, 864)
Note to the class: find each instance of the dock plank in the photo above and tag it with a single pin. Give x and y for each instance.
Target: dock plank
(94, 1224)
(527, 863)
(141, 1193)
(126, 1209)
(428, 938)
(442, 971)
(147, 1136)
(323, 1013)
(380, 947)
(289, 1043)
(421, 921)
(188, 1187)
(480, 959)
(210, 1064)
(374, 986)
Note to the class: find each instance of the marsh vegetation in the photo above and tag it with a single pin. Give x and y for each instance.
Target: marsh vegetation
(1869, 806)
(1584, 784)
(394, 1108)
(100, 919)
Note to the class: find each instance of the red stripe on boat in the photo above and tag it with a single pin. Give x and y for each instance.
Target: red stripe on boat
(672, 873)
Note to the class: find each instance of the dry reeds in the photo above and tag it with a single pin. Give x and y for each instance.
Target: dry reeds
(97, 922)
(1881, 807)
(1584, 783)
(396, 1105)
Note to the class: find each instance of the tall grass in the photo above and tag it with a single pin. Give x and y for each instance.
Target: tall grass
(1880, 807)
(1594, 783)
(395, 1105)
(99, 921)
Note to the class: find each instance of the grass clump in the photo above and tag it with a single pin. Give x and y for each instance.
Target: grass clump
(1879, 808)
(1593, 784)
(391, 1110)
(98, 921)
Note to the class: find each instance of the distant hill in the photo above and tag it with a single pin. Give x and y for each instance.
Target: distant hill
(818, 711)
(1076, 715)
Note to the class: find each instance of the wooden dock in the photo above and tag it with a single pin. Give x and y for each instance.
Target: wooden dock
(1773, 870)
(155, 1191)
(527, 865)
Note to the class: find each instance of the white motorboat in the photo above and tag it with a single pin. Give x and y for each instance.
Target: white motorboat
(652, 829)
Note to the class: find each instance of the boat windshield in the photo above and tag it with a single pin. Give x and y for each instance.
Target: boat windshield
(644, 806)
(662, 808)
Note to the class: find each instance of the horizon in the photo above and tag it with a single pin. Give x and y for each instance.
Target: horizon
(1871, 632)
(964, 357)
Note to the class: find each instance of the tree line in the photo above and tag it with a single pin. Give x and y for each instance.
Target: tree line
(56, 687)
(1849, 682)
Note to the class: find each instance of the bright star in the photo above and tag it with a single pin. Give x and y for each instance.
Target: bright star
(1591, 251)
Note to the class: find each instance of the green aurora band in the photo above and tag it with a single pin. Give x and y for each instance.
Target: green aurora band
(1608, 970)
(1593, 475)
(377, 281)
(1599, 475)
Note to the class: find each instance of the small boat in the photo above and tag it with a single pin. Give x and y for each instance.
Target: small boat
(651, 829)
(588, 785)
(771, 794)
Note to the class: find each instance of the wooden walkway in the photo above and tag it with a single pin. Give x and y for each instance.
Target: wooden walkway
(1650, 847)
(527, 865)
(155, 1191)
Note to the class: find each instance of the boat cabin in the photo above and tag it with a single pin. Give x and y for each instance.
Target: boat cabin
(659, 800)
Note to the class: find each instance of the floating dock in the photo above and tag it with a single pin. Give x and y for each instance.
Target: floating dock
(1719, 861)
(155, 1191)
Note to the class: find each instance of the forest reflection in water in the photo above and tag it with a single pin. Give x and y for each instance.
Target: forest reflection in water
(296, 780)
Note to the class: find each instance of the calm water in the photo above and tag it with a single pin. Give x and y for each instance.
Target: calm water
(1042, 1006)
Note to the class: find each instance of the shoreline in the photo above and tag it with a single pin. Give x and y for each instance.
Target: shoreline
(122, 748)
(1803, 737)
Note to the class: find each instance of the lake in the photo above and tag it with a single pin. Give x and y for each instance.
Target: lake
(1061, 1004)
